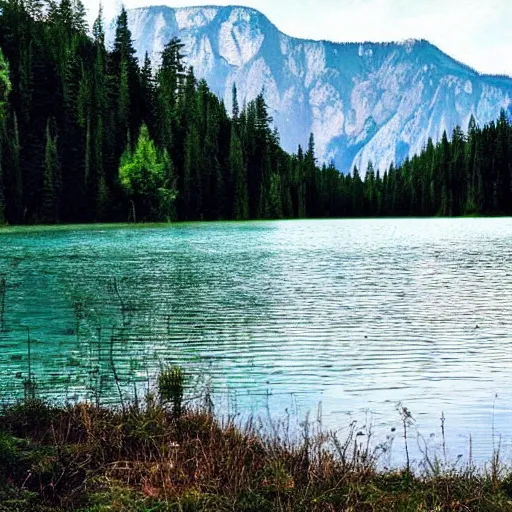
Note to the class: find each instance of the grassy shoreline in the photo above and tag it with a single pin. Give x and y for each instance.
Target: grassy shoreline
(160, 458)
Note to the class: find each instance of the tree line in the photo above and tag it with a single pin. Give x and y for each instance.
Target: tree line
(89, 134)
(466, 174)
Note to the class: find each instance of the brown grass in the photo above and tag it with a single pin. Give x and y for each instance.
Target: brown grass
(145, 458)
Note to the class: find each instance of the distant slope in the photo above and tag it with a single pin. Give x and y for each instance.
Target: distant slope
(363, 102)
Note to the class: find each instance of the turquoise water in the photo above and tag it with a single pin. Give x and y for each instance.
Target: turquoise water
(278, 317)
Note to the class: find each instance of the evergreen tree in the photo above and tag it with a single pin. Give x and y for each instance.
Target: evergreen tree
(98, 29)
(11, 162)
(445, 177)
(147, 83)
(236, 106)
(5, 84)
(239, 173)
(275, 208)
(35, 9)
(125, 86)
(169, 82)
(80, 17)
(300, 181)
(357, 193)
(5, 87)
(310, 178)
(88, 135)
(192, 187)
(49, 193)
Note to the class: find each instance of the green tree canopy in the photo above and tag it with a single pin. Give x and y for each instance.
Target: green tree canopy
(5, 83)
(147, 176)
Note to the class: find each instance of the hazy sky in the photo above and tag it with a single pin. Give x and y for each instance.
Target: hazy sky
(476, 32)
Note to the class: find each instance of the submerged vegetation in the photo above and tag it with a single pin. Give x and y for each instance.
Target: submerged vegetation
(89, 134)
(150, 457)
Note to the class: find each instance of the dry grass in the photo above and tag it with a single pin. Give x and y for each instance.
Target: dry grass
(148, 459)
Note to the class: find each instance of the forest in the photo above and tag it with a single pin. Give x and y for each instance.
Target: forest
(89, 134)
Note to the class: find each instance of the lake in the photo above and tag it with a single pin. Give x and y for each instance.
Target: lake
(348, 317)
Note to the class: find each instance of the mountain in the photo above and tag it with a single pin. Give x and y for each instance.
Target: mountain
(370, 101)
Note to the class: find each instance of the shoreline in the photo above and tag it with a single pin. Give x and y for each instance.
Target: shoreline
(8, 228)
(162, 456)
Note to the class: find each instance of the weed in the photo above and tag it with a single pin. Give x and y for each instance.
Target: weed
(171, 385)
(157, 455)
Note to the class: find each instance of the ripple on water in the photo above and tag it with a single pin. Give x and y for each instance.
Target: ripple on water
(360, 315)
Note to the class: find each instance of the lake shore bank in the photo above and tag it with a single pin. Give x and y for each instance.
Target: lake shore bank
(142, 458)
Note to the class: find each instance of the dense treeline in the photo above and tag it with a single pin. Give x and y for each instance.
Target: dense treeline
(467, 175)
(90, 134)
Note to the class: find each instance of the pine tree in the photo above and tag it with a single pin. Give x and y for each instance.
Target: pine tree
(73, 156)
(169, 80)
(80, 17)
(123, 44)
(445, 176)
(215, 181)
(239, 173)
(275, 207)
(370, 200)
(236, 107)
(457, 185)
(501, 162)
(469, 169)
(300, 180)
(147, 83)
(357, 194)
(192, 189)
(35, 9)
(167, 192)
(49, 193)
(310, 177)
(13, 181)
(479, 198)
(125, 86)
(123, 101)
(98, 29)
(66, 15)
(5, 87)
(101, 131)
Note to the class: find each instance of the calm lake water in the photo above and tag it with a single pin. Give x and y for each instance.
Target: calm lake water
(275, 317)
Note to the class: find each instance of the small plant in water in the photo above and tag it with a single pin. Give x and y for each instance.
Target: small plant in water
(171, 384)
(407, 422)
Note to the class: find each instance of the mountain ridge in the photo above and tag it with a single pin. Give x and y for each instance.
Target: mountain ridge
(363, 101)
(327, 41)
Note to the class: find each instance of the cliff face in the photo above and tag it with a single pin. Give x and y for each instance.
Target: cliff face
(377, 102)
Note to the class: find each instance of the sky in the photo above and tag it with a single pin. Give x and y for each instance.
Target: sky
(475, 32)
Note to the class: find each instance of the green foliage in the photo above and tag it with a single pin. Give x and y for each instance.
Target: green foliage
(171, 387)
(147, 176)
(5, 89)
(49, 193)
(239, 173)
(5, 83)
(92, 165)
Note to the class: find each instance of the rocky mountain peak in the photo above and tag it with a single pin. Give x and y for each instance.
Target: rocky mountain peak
(363, 101)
